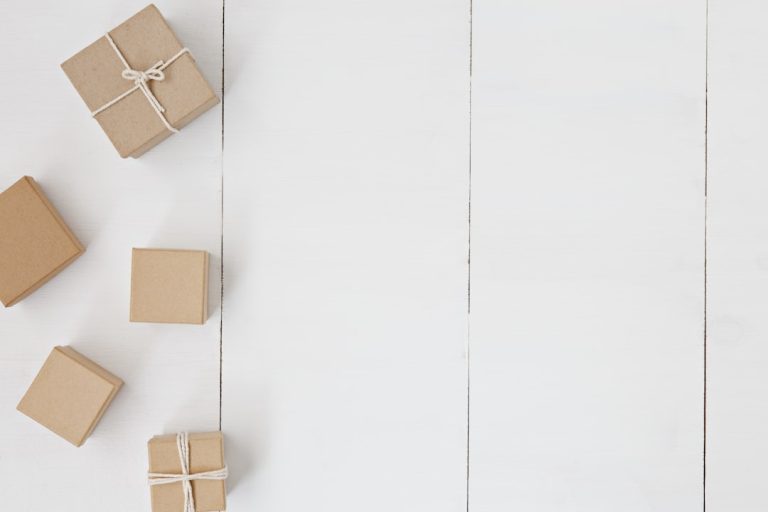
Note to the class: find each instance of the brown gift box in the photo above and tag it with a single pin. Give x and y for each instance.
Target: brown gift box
(35, 244)
(69, 395)
(132, 124)
(169, 286)
(206, 453)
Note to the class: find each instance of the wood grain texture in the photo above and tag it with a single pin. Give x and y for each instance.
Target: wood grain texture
(345, 256)
(587, 256)
(170, 197)
(737, 258)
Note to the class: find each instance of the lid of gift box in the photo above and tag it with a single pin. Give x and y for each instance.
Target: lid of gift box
(144, 40)
(69, 394)
(35, 243)
(206, 453)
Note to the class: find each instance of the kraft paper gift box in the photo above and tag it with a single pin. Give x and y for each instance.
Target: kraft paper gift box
(140, 83)
(70, 395)
(35, 243)
(169, 286)
(205, 452)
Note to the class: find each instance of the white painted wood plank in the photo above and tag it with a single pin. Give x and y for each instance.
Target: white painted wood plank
(737, 417)
(169, 197)
(346, 182)
(587, 256)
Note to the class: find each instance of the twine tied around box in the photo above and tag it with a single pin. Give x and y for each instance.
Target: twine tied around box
(182, 443)
(140, 81)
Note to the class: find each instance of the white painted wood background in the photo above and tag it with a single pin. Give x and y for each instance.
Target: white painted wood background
(593, 340)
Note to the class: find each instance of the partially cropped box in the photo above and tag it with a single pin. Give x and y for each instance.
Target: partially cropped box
(198, 460)
(70, 395)
(169, 286)
(140, 83)
(35, 243)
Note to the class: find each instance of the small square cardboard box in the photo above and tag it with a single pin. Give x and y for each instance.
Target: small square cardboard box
(35, 243)
(70, 395)
(169, 286)
(140, 83)
(206, 453)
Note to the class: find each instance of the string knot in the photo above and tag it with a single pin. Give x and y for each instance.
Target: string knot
(153, 73)
(140, 81)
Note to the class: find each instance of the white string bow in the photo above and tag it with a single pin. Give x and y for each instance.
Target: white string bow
(182, 443)
(140, 81)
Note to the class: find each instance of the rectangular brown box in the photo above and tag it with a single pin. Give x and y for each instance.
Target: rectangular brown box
(69, 394)
(35, 243)
(132, 124)
(206, 453)
(169, 286)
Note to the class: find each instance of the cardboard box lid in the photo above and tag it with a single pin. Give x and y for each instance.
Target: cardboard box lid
(144, 39)
(206, 453)
(169, 286)
(70, 394)
(35, 243)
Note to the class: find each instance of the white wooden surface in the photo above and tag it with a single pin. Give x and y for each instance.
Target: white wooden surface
(345, 254)
(587, 256)
(737, 259)
(356, 364)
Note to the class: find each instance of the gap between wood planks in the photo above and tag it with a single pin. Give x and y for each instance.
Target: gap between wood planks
(706, 172)
(221, 242)
(469, 248)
